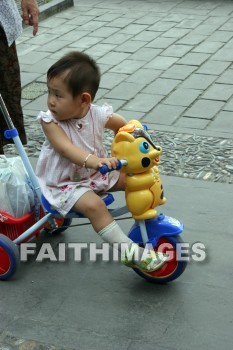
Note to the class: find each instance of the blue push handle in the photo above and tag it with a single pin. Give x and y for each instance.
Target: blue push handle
(104, 168)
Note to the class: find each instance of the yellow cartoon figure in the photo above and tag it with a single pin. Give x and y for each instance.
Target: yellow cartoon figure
(144, 190)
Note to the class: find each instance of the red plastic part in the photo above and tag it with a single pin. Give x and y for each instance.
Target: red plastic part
(5, 261)
(13, 227)
(169, 267)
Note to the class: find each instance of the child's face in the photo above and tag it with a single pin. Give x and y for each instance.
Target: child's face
(61, 102)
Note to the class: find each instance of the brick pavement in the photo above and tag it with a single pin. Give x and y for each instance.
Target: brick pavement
(168, 63)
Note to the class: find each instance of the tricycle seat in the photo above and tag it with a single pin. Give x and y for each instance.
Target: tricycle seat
(106, 197)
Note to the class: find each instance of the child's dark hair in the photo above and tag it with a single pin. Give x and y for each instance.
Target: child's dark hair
(83, 74)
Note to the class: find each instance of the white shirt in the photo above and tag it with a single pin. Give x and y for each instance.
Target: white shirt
(10, 20)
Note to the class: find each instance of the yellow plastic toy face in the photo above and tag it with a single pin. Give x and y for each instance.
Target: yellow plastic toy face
(140, 154)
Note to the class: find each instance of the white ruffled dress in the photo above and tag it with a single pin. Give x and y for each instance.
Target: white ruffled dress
(62, 182)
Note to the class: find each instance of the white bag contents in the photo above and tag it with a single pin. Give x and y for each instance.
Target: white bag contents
(16, 195)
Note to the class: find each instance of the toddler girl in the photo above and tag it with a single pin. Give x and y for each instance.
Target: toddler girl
(73, 151)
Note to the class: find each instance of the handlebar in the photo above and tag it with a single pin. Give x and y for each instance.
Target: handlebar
(104, 168)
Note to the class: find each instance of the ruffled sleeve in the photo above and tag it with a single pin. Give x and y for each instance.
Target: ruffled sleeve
(101, 114)
(107, 110)
(47, 117)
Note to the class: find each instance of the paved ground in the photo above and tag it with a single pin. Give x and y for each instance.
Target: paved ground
(167, 63)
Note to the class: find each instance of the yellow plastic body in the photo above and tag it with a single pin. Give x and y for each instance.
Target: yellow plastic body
(144, 190)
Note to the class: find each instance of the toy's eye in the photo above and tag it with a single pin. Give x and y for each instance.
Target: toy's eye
(144, 147)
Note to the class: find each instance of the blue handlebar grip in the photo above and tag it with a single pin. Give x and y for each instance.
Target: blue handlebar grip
(9, 134)
(104, 168)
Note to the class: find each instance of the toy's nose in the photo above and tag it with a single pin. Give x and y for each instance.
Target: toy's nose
(158, 148)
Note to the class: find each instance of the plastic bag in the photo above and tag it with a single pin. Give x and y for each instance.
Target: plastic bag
(16, 195)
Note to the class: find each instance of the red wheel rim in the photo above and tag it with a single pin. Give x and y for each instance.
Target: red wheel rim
(168, 268)
(5, 262)
(59, 222)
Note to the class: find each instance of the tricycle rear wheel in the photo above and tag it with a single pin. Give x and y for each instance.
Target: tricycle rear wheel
(9, 258)
(62, 223)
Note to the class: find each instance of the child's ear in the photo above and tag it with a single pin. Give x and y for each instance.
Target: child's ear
(86, 98)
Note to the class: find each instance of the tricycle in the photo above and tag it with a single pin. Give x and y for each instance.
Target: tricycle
(138, 157)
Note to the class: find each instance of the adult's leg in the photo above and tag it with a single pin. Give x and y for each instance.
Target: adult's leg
(10, 89)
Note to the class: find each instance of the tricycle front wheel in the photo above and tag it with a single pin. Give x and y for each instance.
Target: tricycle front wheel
(173, 268)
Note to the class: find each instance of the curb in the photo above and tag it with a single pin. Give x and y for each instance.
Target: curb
(54, 7)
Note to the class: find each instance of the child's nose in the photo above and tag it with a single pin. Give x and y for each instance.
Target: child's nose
(51, 101)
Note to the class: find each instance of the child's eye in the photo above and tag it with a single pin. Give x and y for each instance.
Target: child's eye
(144, 147)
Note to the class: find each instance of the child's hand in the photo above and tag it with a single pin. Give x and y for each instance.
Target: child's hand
(110, 162)
(95, 162)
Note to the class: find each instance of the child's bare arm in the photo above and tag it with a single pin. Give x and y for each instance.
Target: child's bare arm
(115, 122)
(63, 145)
